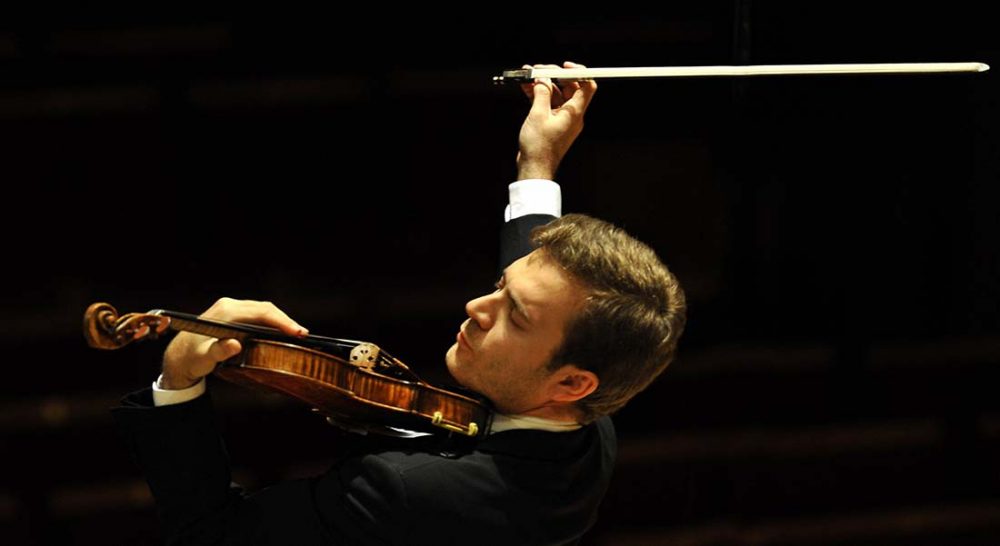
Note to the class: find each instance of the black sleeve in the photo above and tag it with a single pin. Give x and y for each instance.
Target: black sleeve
(360, 500)
(515, 237)
(185, 463)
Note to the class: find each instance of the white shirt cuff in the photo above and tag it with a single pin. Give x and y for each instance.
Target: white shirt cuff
(533, 196)
(164, 397)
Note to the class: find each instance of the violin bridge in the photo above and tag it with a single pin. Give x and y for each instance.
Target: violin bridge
(365, 355)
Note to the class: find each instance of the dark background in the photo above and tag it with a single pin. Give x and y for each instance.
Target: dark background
(837, 236)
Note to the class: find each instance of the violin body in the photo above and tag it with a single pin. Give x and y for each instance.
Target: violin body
(351, 395)
(354, 384)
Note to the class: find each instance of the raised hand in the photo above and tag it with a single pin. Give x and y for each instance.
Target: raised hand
(553, 123)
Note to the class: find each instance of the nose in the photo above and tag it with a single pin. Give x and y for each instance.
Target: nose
(482, 311)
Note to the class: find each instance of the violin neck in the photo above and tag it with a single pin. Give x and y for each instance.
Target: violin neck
(184, 322)
(104, 328)
(208, 327)
(241, 332)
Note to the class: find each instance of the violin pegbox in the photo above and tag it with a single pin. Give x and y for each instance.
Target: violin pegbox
(105, 329)
(365, 355)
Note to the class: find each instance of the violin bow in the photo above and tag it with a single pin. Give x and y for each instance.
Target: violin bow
(526, 75)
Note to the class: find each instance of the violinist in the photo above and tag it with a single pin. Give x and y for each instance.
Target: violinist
(582, 318)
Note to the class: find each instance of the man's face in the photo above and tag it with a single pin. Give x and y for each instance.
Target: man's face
(502, 349)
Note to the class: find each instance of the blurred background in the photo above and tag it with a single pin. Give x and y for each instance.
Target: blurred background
(837, 236)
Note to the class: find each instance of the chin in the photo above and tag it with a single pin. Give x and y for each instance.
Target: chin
(451, 361)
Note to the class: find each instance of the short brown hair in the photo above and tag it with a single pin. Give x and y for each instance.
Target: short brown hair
(634, 314)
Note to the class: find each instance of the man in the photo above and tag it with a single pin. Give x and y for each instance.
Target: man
(575, 328)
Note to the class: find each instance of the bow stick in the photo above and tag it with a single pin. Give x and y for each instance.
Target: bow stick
(530, 74)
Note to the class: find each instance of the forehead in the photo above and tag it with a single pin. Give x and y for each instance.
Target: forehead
(544, 288)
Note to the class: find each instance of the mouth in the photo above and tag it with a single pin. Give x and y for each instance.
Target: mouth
(462, 340)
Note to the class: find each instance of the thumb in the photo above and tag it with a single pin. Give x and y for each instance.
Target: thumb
(223, 349)
(541, 104)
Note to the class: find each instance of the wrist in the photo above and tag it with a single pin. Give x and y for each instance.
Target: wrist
(169, 397)
(536, 169)
(173, 381)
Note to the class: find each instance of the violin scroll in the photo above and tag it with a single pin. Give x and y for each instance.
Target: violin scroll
(105, 329)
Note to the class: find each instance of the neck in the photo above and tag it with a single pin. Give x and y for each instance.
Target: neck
(563, 413)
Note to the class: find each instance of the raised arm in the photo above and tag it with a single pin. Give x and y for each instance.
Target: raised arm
(552, 124)
(550, 128)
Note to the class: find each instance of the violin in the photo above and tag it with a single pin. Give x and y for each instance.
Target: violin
(354, 384)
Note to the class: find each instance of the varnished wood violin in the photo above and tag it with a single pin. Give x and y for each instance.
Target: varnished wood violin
(354, 384)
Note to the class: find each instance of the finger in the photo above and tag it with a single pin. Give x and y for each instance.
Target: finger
(528, 88)
(541, 104)
(581, 98)
(557, 96)
(554, 93)
(574, 84)
(270, 315)
(577, 104)
(585, 89)
(547, 80)
(559, 91)
(263, 313)
(223, 349)
(569, 89)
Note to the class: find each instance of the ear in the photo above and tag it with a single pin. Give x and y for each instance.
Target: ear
(571, 383)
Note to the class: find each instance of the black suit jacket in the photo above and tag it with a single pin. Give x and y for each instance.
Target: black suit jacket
(516, 487)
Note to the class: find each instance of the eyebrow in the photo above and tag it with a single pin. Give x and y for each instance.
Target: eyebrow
(517, 304)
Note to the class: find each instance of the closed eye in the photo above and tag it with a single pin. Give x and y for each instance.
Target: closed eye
(500, 284)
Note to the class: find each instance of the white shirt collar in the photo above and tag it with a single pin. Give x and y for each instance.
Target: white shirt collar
(503, 422)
